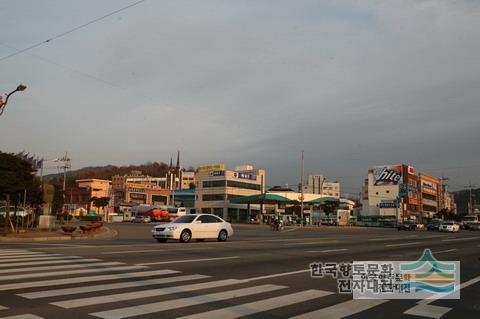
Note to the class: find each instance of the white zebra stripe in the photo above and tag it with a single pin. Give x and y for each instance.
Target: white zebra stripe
(43, 268)
(342, 310)
(128, 312)
(49, 262)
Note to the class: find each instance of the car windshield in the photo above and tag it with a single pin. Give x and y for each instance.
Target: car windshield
(187, 219)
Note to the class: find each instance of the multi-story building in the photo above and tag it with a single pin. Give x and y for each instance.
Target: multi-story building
(317, 184)
(430, 190)
(87, 189)
(216, 186)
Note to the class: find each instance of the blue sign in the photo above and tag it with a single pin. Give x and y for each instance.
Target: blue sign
(245, 176)
(217, 173)
(388, 204)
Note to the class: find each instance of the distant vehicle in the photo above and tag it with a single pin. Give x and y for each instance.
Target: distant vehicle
(193, 226)
(420, 225)
(449, 226)
(167, 213)
(434, 224)
(142, 219)
(328, 221)
(468, 221)
(21, 212)
(407, 225)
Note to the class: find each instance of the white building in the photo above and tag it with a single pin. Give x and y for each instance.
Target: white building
(317, 184)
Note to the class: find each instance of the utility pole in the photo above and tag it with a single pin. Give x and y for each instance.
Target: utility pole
(470, 202)
(66, 165)
(301, 189)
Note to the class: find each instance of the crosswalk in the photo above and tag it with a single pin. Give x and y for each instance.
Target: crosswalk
(114, 290)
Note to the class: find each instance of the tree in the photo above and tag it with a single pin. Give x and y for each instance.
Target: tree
(17, 177)
(100, 202)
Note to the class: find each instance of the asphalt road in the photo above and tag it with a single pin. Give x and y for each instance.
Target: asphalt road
(258, 273)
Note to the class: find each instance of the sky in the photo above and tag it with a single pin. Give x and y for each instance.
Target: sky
(351, 83)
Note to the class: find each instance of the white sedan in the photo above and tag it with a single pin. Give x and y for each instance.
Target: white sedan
(449, 227)
(193, 226)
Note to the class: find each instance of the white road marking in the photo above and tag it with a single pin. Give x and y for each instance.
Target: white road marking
(48, 262)
(327, 250)
(459, 239)
(97, 300)
(128, 312)
(25, 316)
(76, 280)
(279, 275)
(444, 251)
(341, 310)
(187, 261)
(69, 272)
(3, 308)
(259, 306)
(27, 255)
(154, 250)
(428, 311)
(103, 287)
(43, 268)
(24, 254)
(49, 257)
(313, 243)
(403, 244)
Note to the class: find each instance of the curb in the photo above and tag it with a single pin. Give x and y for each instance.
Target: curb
(108, 233)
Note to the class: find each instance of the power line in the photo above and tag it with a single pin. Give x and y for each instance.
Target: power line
(70, 31)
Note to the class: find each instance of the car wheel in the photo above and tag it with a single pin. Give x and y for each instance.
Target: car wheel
(223, 235)
(162, 240)
(185, 236)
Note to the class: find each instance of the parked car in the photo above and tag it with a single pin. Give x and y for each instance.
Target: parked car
(449, 226)
(21, 212)
(142, 219)
(420, 225)
(407, 225)
(329, 221)
(433, 225)
(194, 226)
(474, 225)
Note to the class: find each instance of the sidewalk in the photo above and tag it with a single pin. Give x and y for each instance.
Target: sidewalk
(37, 235)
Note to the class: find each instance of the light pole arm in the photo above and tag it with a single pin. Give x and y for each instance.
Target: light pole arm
(20, 87)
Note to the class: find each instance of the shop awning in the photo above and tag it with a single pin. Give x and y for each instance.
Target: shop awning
(260, 199)
(322, 200)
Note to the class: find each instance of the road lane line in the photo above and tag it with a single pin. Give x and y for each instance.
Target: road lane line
(313, 243)
(120, 285)
(38, 258)
(326, 250)
(128, 312)
(260, 306)
(458, 239)
(49, 262)
(428, 311)
(69, 272)
(342, 310)
(444, 251)
(3, 308)
(187, 261)
(439, 297)
(25, 316)
(25, 254)
(43, 268)
(97, 300)
(279, 275)
(76, 280)
(28, 255)
(403, 244)
(154, 250)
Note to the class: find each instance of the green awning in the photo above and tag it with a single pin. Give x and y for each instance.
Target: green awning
(322, 200)
(260, 199)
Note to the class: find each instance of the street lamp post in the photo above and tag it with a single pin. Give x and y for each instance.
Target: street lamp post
(20, 87)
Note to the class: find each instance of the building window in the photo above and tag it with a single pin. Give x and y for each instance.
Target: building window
(376, 193)
(220, 183)
(429, 208)
(212, 197)
(388, 192)
(429, 196)
(232, 196)
(243, 185)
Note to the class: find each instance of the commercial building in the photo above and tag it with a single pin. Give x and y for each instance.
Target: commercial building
(215, 186)
(396, 192)
(79, 200)
(317, 184)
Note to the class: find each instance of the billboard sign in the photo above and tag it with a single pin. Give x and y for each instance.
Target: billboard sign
(216, 173)
(388, 204)
(245, 176)
(211, 168)
(430, 185)
(135, 188)
(387, 175)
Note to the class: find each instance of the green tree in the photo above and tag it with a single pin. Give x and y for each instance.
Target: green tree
(17, 177)
(100, 202)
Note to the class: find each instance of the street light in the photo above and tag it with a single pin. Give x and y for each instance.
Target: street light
(20, 87)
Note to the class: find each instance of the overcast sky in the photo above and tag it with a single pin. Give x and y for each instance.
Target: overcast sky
(352, 83)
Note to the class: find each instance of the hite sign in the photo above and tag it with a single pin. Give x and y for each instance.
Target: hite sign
(387, 175)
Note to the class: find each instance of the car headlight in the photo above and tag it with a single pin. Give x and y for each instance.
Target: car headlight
(172, 227)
